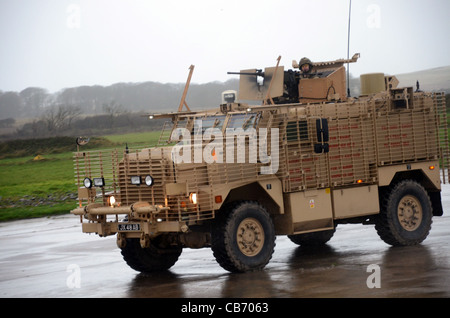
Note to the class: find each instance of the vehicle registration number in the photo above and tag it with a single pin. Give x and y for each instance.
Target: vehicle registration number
(129, 227)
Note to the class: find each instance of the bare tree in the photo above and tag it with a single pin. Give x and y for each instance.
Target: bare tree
(60, 117)
(112, 110)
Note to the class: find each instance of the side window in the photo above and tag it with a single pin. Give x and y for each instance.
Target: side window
(203, 123)
(243, 121)
(297, 131)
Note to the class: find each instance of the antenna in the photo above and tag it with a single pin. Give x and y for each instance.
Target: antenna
(348, 47)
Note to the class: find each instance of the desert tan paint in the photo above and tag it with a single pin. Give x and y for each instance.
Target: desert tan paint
(365, 143)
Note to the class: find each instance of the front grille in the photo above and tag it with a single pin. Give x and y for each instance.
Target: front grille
(142, 163)
(117, 167)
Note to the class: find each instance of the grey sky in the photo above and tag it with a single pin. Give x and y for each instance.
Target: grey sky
(56, 44)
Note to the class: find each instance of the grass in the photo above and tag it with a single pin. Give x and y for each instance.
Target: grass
(142, 139)
(17, 213)
(52, 145)
(25, 176)
(30, 188)
(36, 188)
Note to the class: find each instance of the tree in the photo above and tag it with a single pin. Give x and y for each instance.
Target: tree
(112, 110)
(34, 99)
(10, 105)
(60, 117)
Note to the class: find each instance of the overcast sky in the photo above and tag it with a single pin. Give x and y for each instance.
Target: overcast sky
(55, 44)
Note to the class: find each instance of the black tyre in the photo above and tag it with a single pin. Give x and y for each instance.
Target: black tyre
(152, 259)
(243, 238)
(406, 214)
(313, 238)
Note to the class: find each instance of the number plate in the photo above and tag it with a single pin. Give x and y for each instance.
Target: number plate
(123, 227)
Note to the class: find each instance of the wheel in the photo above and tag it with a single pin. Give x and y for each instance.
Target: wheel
(243, 238)
(313, 238)
(152, 259)
(405, 216)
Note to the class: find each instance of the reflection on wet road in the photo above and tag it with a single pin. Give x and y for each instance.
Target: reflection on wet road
(50, 257)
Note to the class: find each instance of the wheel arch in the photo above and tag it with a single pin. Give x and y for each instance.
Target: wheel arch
(268, 193)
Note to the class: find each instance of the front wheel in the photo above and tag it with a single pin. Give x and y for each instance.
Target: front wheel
(313, 238)
(405, 216)
(243, 239)
(155, 258)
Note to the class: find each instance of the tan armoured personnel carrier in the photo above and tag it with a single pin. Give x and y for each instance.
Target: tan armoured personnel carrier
(306, 158)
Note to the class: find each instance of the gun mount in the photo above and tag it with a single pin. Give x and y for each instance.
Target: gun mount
(324, 81)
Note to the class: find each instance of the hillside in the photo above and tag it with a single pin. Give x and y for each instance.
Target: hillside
(126, 97)
(436, 79)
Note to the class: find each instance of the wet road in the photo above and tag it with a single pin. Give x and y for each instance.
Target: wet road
(50, 257)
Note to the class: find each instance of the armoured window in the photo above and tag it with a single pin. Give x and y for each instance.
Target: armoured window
(243, 121)
(203, 123)
(297, 130)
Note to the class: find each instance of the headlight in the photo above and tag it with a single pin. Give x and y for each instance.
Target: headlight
(136, 180)
(99, 182)
(193, 197)
(149, 180)
(87, 182)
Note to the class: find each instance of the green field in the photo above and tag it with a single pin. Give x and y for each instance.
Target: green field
(145, 139)
(36, 188)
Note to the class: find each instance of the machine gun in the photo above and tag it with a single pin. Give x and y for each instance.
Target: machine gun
(284, 88)
(256, 73)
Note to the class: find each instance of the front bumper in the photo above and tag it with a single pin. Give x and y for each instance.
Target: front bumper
(144, 219)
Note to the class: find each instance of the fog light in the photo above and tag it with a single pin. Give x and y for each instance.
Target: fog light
(99, 182)
(87, 182)
(149, 180)
(136, 180)
(193, 197)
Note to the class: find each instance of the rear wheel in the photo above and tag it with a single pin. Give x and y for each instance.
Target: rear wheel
(405, 216)
(243, 239)
(152, 259)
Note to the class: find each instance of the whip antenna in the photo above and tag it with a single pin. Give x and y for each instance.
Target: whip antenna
(348, 47)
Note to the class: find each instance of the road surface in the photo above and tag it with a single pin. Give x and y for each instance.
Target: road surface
(51, 258)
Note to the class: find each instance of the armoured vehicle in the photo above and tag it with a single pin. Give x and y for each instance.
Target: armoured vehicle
(299, 157)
